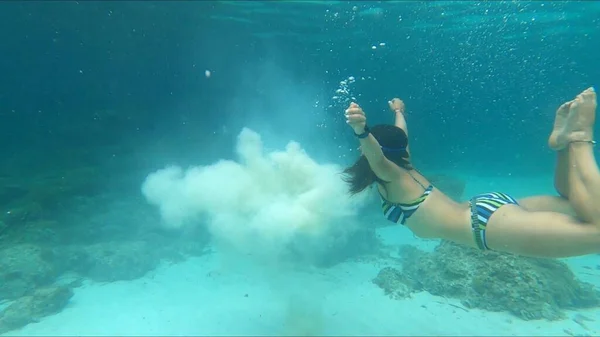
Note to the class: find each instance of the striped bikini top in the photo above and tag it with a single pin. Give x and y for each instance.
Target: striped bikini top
(399, 213)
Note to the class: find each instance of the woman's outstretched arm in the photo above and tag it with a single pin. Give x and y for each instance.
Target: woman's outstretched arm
(369, 146)
(397, 106)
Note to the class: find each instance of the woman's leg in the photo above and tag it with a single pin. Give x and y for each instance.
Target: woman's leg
(561, 178)
(572, 133)
(548, 234)
(548, 203)
(583, 176)
(515, 230)
(561, 173)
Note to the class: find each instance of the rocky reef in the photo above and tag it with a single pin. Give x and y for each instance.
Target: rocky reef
(67, 224)
(529, 288)
(31, 308)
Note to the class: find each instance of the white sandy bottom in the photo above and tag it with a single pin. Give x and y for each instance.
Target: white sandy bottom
(195, 298)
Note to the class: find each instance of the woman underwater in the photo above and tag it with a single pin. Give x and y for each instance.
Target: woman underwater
(541, 226)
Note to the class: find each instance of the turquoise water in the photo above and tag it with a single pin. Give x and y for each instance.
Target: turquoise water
(172, 168)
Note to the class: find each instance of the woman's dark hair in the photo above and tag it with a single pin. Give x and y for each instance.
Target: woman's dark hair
(393, 141)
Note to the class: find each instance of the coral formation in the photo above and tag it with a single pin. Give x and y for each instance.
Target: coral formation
(23, 267)
(42, 302)
(529, 288)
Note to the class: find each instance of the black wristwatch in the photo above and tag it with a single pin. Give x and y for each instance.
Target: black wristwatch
(365, 133)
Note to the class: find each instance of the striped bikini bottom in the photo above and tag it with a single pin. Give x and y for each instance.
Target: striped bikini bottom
(482, 208)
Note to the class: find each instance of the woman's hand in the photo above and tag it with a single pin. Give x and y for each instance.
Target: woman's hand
(356, 118)
(397, 105)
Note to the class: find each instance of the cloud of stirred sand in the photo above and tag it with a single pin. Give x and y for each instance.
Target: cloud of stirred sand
(263, 203)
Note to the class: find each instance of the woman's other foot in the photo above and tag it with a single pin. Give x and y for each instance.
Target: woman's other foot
(559, 124)
(578, 126)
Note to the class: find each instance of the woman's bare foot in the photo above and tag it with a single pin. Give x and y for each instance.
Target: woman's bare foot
(579, 123)
(559, 124)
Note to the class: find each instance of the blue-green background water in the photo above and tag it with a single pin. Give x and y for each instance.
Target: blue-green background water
(117, 90)
(481, 80)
